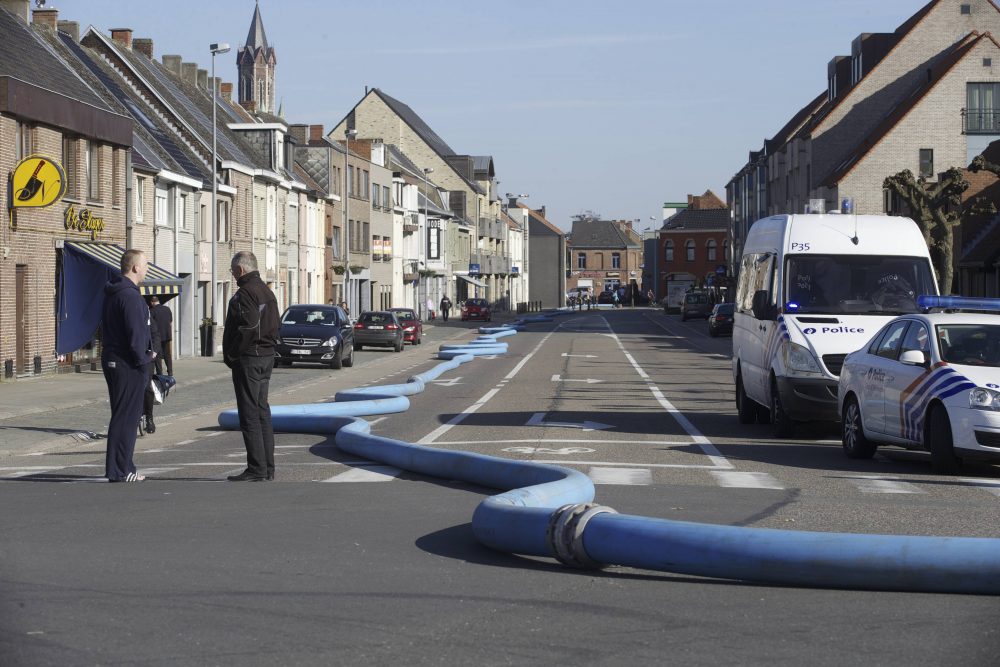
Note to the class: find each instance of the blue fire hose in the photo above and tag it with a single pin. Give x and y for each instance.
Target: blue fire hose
(548, 510)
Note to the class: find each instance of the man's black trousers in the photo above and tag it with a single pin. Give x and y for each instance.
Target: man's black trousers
(126, 388)
(251, 377)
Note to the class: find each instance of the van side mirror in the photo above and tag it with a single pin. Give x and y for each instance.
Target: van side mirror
(913, 358)
(761, 305)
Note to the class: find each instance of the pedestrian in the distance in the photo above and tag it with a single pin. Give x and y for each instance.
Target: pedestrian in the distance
(248, 340)
(125, 358)
(165, 323)
(148, 398)
(615, 301)
(430, 308)
(343, 304)
(445, 307)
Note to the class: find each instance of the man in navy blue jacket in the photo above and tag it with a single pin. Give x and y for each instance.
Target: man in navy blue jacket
(125, 356)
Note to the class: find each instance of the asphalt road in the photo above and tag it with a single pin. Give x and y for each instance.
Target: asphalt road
(341, 561)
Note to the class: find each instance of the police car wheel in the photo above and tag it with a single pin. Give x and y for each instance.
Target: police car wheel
(939, 442)
(856, 445)
(781, 425)
(746, 409)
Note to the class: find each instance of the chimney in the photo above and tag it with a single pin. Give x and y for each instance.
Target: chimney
(18, 8)
(173, 64)
(628, 225)
(123, 36)
(143, 45)
(541, 211)
(46, 18)
(189, 73)
(315, 133)
(298, 132)
(203, 79)
(71, 28)
(215, 81)
(226, 90)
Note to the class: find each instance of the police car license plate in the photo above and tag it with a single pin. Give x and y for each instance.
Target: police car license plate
(300, 351)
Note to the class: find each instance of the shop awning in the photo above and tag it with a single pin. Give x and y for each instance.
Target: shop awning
(86, 269)
(158, 281)
(477, 283)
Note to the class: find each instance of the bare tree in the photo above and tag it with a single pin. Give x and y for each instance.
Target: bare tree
(938, 209)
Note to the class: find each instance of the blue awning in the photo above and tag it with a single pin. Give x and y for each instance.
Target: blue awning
(86, 269)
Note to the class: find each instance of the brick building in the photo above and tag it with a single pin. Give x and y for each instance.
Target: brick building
(604, 255)
(694, 246)
(919, 98)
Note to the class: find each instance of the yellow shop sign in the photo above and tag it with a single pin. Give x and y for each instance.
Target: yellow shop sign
(84, 221)
(37, 181)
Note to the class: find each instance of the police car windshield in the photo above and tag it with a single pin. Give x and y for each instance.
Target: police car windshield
(859, 284)
(969, 344)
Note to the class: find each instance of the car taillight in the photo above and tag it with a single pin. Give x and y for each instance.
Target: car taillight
(391, 326)
(359, 326)
(410, 329)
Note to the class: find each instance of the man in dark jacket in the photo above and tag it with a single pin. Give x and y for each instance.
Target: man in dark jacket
(125, 356)
(165, 323)
(248, 341)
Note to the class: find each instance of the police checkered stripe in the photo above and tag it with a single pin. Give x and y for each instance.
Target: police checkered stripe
(939, 381)
(777, 335)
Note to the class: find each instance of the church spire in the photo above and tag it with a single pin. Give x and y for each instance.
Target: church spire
(257, 38)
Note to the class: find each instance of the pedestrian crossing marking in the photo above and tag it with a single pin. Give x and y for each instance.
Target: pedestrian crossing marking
(874, 484)
(745, 480)
(622, 476)
(367, 474)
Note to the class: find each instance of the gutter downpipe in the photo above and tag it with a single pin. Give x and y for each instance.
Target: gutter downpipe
(547, 510)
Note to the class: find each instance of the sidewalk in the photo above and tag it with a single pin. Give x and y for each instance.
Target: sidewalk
(48, 393)
(70, 390)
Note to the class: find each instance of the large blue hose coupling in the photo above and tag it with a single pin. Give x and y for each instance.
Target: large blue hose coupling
(565, 534)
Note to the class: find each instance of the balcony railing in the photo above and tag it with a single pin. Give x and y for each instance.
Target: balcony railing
(981, 121)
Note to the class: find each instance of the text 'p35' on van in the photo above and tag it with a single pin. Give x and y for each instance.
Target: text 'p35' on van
(811, 289)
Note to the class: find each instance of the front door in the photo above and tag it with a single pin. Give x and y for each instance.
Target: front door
(881, 376)
(903, 382)
(21, 317)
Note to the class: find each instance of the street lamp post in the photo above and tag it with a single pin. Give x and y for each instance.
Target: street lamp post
(215, 49)
(427, 228)
(348, 135)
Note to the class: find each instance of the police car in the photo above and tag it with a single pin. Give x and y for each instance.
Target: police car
(927, 381)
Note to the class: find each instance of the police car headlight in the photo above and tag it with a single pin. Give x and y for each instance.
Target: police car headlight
(330, 342)
(982, 398)
(800, 360)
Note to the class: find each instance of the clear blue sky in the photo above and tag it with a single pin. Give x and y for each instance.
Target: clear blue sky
(613, 107)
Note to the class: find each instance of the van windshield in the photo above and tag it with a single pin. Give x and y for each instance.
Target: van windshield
(862, 284)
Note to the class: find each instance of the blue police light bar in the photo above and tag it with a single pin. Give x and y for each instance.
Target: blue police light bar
(957, 302)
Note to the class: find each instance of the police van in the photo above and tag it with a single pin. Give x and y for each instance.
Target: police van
(813, 288)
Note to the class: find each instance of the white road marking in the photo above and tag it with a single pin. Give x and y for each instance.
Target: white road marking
(537, 419)
(714, 455)
(539, 441)
(548, 450)
(377, 420)
(583, 356)
(560, 378)
(367, 474)
(186, 442)
(462, 416)
(873, 484)
(447, 383)
(156, 471)
(632, 476)
(745, 480)
(212, 434)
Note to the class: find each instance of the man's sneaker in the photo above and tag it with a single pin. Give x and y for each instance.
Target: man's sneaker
(131, 477)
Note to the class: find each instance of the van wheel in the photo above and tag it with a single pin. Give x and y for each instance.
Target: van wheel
(746, 409)
(939, 441)
(856, 445)
(781, 425)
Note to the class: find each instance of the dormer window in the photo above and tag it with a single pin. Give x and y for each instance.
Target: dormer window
(831, 88)
(856, 71)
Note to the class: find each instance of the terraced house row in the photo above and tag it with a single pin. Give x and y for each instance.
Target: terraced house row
(378, 212)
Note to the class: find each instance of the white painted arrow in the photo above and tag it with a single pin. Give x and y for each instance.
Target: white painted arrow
(559, 378)
(537, 420)
(583, 356)
(447, 383)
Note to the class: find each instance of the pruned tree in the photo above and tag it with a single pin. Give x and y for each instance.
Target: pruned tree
(938, 209)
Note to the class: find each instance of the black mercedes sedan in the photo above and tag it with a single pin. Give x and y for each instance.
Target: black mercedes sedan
(317, 334)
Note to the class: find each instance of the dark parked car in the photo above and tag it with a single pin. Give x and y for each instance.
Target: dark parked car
(413, 327)
(478, 309)
(378, 327)
(696, 304)
(721, 319)
(315, 333)
(606, 297)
